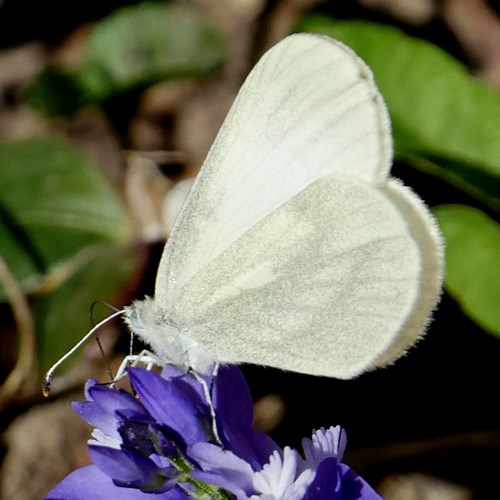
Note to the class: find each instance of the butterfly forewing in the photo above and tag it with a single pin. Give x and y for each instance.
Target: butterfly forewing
(308, 109)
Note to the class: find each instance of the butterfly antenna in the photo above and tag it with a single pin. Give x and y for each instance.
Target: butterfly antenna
(47, 380)
(103, 303)
(208, 396)
(97, 339)
(103, 354)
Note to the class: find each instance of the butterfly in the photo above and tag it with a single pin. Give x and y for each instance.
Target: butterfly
(295, 248)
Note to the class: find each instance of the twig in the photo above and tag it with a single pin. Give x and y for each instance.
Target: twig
(26, 359)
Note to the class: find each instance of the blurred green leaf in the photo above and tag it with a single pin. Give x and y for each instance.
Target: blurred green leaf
(56, 92)
(439, 113)
(465, 176)
(132, 48)
(145, 43)
(472, 262)
(61, 316)
(53, 203)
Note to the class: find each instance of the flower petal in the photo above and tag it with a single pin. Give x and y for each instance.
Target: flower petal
(168, 405)
(326, 483)
(89, 482)
(128, 468)
(338, 481)
(325, 443)
(282, 478)
(102, 404)
(187, 381)
(255, 447)
(221, 468)
(354, 486)
(232, 400)
(234, 410)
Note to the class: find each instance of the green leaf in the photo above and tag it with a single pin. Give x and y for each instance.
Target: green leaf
(440, 114)
(53, 203)
(132, 48)
(145, 43)
(55, 92)
(62, 316)
(472, 262)
(465, 176)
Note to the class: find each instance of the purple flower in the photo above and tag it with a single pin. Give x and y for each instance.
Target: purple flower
(165, 443)
(333, 479)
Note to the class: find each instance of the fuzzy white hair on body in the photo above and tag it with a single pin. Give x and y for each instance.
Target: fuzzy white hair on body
(170, 340)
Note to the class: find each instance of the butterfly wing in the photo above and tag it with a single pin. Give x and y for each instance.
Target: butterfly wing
(426, 236)
(324, 285)
(294, 249)
(308, 109)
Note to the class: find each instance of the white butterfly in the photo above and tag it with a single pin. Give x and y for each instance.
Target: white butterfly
(294, 248)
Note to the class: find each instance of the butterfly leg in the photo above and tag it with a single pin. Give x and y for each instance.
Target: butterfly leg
(144, 357)
(208, 397)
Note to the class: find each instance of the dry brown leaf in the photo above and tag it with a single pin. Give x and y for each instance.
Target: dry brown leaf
(43, 445)
(477, 28)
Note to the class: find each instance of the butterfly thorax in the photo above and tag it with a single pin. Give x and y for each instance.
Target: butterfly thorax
(168, 336)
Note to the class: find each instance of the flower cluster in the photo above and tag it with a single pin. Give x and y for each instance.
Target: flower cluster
(165, 444)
